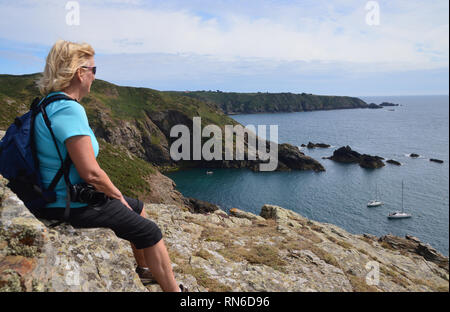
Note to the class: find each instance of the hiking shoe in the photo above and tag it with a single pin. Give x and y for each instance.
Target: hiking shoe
(145, 275)
(183, 289)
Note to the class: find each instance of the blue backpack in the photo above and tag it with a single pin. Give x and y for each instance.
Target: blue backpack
(20, 165)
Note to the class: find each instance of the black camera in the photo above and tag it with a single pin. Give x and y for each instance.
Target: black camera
(86, 193)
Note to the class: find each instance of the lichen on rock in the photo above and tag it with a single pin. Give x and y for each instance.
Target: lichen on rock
(35, 257)
(279, 250)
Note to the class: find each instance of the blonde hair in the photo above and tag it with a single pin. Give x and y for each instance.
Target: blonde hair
(62, 63)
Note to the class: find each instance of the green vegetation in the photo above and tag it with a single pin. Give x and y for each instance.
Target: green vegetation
(255, 254)
(16, 95)
(126, 171)
(122, 103)
(359, 284)
(252, 252)
(129, 103)
(115, 104)
(231, 102)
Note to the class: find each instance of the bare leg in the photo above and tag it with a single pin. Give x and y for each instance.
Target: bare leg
(139, 256)
(158, 259)
(139, 253)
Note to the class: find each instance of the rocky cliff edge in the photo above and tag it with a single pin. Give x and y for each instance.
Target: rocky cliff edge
(276, 251)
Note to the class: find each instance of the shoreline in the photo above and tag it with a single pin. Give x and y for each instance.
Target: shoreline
(303, 111)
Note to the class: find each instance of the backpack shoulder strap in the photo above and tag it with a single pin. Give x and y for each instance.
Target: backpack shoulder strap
(37, 104)
(40, 107)
(65, 164)
(47, 121)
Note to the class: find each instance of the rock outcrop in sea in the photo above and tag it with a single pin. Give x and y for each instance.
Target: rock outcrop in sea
(290, 157)
(393, 162)
(374, 106)
(314, 145)
(346, 155)
(279, 250)
(388, 104)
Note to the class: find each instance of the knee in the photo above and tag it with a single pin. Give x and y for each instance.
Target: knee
(156, 233)
(155, 239)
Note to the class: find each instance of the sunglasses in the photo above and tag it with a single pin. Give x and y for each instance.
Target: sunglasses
(94, 68)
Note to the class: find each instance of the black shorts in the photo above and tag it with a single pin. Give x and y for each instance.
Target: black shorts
(126, 224)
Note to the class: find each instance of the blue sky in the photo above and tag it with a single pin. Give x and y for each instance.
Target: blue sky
(321, 47)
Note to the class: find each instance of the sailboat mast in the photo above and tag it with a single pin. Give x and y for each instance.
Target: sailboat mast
(402, 196)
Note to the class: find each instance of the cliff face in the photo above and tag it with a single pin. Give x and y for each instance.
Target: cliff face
(277, 251)
(149, 139)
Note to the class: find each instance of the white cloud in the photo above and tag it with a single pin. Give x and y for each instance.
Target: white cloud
(412, 35)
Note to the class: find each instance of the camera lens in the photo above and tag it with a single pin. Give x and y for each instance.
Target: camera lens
(85, 193)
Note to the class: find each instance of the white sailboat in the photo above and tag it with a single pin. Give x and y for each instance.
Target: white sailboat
(399, 214)
(375, 202)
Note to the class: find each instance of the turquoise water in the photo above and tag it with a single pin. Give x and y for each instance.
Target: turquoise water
(339, 195)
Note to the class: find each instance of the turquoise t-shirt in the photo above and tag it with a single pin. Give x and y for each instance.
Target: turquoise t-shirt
(68, 118)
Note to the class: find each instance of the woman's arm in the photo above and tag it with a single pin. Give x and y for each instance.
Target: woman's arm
(82, 154)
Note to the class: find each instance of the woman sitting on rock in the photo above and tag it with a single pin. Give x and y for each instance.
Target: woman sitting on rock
(70, 69)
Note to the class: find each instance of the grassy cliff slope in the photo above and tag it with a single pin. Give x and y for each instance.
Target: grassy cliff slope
(232, 102)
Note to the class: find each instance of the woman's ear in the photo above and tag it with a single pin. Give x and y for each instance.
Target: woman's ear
(78, 75)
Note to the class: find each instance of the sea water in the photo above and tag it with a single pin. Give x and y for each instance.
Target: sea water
(340, 194)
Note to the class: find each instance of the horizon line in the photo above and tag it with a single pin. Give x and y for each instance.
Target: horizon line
(357, 96)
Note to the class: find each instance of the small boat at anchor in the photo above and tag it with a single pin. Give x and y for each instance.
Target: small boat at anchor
(375, 202)
(399, 214)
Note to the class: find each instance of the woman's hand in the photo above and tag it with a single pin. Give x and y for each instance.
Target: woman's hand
(123, 201)
(82, 155)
